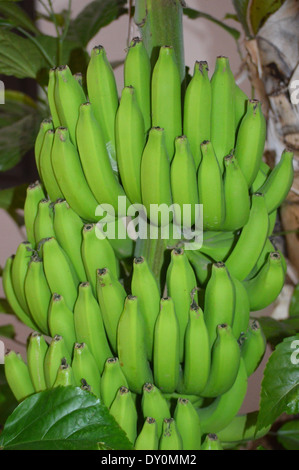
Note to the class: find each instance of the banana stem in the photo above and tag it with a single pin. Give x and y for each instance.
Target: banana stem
(160, 23)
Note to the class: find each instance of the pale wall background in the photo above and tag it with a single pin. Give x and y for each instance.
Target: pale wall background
(203, 40)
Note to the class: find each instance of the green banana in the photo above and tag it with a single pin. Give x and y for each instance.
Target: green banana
(11, 296)
(261, 177)
(145, 287)
(130, 140)
(184, 184)
(253, 346)
(166, 97)
(111, 298)
(19, 270)
(251, 240)
(46, 125)
(17, 376)
(131, 346)
(68, 229)
(201, 265)
(210, 188)
(85, 367)
(181, 287)
(268, 248)
(241, 429)
(95, 162)
(89, 326)
(223, 409)
(57, 350)
(111, 380)
(36, 352)
(217, 245)
(166, 359)
(241, 100)
(279, 182)
(61, 321)
(170, 438)
(197, 109)
(155, 175)
(34, 195)
(272, 222)
(69, 95)
(197, 358)
(47, 174)
(225, 363)
(147, 438)
(102, 93)
(59, 271)
(188, 424)
(124, 411)
(223, 109)
(43, 223)
(154, 404)
(237, 200)
(97, 253)
(241, 310)
(51, 97)
(211, 442)
(219, 300)
(250, 141)
(65, 375)
(70, 176)
(137, 73)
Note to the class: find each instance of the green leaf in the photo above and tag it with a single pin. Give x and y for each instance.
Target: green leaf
(63, 418)
(5, 307)
(93, 17)
(194, 14)
(7, 331)
(7, 401)
(276, 330)
(288, 435)
(261, 10)
(241, 7)
(294, 303)
(280, 384)
(17, 16)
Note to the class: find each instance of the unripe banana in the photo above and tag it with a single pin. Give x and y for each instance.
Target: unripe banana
(89, 326)
(145, 287)
(124, 411)
(218, 245)
(237, 200)
(261, 177)
(17, 376)
(201, 265)
(219, 300)
(223, 110)
(19, 270)
(188, 424)
(65, 375)
(253, 347)
(137, 73)
(262, 260)
(211, 442)
(166, 353)
(46, 125)
(47, 169)
(265, 287)
(181, 282)
(197, 356)
(57, 350)
(155, 175)
(130, 140)
(11, 296)
(155, 405)
(223, 409)
(43, 224)
(225, 363)
(131, 346)
(166, 97)
(241, 100)
(111, 380)
(242, 309)
(272, 222)
(51, 98)
(251, 240)
(61, 321)
(279, 182)
(97, 253)
(102, 93)
(68, 230)
(184, 184)
(34, 195)
(95, 161)
(147, 438)
(250, 141)
(36, 352)
(85, 367)
(59, 271)
(170, 438)
(197, 109)
(210, 188)
(111, 298)
(69, 95)
(70, 176)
